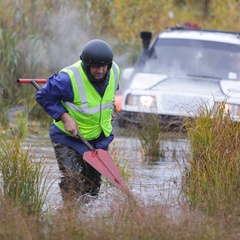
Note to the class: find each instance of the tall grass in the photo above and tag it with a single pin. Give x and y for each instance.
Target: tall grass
(211, 179)
(24, 180)
(121, 161)
(154, 222)
(22, 118)
(150, 132)
(9, 59)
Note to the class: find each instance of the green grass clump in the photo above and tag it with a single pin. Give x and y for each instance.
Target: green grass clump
(211, 179)
(121, 162)
(149, 132)
(23, 178)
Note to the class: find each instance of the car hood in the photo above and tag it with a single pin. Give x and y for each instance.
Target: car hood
(181, 95)
(146, 80)
(186, 84)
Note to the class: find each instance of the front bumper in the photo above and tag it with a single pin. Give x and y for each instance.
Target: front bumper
(125, 118)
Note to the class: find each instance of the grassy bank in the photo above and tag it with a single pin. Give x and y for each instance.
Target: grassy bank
(122, 221)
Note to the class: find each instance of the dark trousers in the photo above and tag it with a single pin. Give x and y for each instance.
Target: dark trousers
(78, 177)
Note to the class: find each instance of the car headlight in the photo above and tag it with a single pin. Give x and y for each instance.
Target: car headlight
(227, 108)
(141, 100)
(232, 109)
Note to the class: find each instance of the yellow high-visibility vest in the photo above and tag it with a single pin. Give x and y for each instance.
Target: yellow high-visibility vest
(91, 112)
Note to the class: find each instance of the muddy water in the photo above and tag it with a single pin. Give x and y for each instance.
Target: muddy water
(158, 180)
(155, 181)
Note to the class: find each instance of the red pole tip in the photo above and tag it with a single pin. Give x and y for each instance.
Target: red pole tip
(28, 80)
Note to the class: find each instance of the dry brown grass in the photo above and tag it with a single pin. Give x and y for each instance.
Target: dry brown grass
(124, 220)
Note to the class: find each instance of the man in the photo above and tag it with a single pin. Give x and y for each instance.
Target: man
(80, 98)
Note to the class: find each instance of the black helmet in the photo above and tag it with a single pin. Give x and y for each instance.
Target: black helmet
(97, 53)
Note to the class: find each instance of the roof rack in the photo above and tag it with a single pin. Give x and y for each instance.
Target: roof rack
(195, 27)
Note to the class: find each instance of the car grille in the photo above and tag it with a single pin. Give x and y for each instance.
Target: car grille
(173, 104)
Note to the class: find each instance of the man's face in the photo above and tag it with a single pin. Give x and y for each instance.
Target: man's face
(98, 72)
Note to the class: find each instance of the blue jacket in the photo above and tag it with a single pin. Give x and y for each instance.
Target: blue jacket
(58, 88)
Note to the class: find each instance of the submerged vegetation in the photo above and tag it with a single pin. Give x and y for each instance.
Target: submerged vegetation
(150, 132)
(24, 180)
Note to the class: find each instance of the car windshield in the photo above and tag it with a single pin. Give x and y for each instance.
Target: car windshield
(180, 57)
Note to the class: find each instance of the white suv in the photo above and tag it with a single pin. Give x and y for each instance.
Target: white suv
(181, 70)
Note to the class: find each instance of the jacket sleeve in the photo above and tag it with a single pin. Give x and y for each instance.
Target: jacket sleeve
(57, 89)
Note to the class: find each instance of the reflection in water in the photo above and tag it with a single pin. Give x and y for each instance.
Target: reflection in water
(152, 182)
(157, 181)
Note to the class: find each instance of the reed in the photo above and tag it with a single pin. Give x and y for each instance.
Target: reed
(149, 132)
(22, 118)
(211, 172)
(121, 160)
(24, 180)
(121, 221)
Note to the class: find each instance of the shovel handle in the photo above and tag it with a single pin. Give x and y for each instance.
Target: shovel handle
(85, 141)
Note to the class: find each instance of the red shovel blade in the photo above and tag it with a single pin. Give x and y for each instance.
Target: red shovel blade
(102, 161)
